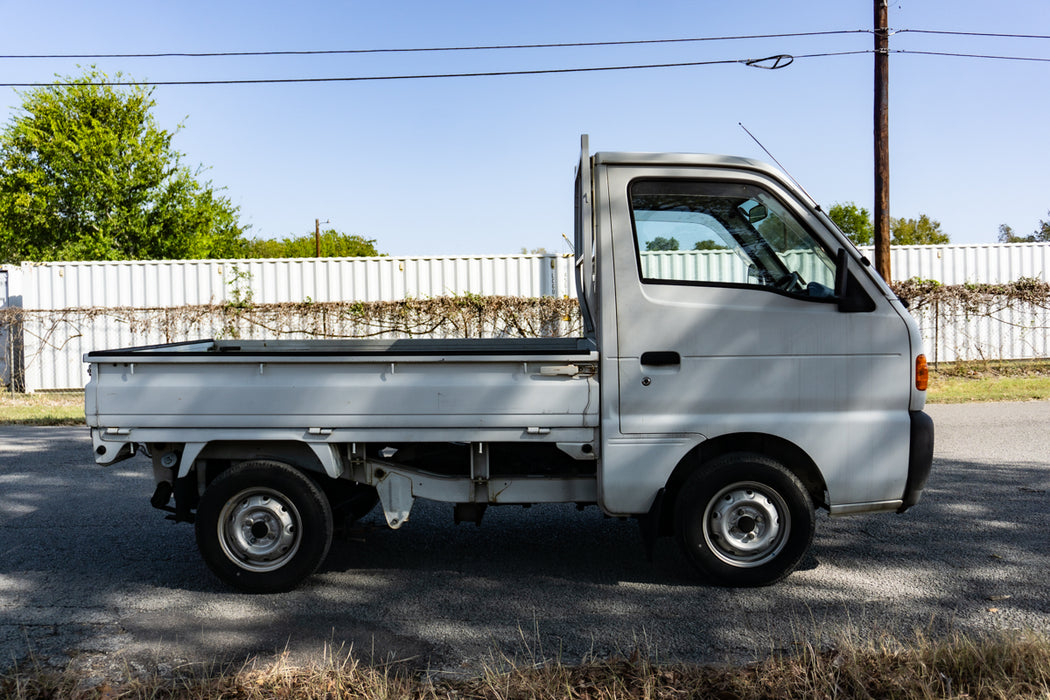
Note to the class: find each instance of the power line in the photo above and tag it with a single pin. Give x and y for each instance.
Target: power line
(982, 34)
(973, 55)
(775, 62)
(778, 61)
(498, 47)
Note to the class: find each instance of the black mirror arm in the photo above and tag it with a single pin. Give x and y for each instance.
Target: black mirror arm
(851, 297)
(841, 273)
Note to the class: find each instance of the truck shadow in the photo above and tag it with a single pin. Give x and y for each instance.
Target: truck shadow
(87, 566)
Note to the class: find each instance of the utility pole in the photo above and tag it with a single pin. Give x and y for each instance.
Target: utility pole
(317, 238)
(882, 140)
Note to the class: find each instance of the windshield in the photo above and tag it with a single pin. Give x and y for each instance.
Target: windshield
(693, 231)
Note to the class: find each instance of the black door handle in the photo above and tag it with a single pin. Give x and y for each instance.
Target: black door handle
(661, 358)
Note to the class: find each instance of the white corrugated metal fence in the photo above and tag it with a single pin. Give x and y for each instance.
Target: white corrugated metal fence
(52, 351)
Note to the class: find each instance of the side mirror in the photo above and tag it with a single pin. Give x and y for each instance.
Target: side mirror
(851, 296)
(841, 273)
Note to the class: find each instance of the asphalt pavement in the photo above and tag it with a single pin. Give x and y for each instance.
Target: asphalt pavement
(89, 570)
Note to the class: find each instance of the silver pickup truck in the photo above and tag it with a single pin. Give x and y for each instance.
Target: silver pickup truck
(741, 365)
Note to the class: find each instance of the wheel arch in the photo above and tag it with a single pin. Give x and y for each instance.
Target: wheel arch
(320, 462)
(793, 457)
(300, 455)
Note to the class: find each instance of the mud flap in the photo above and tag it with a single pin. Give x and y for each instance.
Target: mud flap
(649, 524)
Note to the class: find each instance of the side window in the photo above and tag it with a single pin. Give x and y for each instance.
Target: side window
(722, 233)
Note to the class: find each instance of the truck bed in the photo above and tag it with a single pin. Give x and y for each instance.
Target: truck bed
(356, 346)
(464, 389)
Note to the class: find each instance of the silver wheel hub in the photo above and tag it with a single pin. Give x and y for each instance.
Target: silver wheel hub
(746, 524)
(259, 529)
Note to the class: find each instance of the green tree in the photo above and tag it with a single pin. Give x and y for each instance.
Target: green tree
(87, 174)
(333, 245)
(661, 243)
(921, 231)
(854, 221)
(1040, 235)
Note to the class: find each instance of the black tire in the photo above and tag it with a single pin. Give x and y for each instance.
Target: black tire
(744, 520)
(263, 526)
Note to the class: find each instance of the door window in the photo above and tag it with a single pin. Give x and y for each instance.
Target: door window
(723, 233)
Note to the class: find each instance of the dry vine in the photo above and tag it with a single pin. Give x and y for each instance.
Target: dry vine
(975, 298)
(954, 317)
(27, 334)
(469, 316)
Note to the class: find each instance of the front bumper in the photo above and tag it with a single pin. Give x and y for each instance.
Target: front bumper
(920, 459)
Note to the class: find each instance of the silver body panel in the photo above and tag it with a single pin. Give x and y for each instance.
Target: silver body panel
(194, 386)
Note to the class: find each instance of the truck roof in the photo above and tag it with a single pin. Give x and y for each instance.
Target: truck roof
(709, 160)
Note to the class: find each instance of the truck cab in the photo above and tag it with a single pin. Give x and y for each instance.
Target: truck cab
(741, 334)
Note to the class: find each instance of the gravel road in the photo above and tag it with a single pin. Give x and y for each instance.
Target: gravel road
(87, 567)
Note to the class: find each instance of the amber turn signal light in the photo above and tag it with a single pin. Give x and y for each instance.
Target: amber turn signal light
(922, 373)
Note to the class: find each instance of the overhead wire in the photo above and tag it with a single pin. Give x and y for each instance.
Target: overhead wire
(494, 47)
(958, 54)
(971, 55)
(778, 61)
(771, 62)
(981, 34)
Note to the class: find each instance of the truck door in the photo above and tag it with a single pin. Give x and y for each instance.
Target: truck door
(728, 323)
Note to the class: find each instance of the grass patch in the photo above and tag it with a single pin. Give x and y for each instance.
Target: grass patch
(42, 408)
(963, 382)
(1003, 665)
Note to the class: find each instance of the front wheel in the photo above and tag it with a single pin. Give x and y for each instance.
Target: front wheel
(744, 520)
(263, 526)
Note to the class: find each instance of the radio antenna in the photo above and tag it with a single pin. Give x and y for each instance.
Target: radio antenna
(773, 158)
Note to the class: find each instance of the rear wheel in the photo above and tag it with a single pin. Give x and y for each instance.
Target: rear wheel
(263, 526)
(744, 520)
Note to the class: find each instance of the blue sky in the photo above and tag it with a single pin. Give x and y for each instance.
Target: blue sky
(484, 165)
